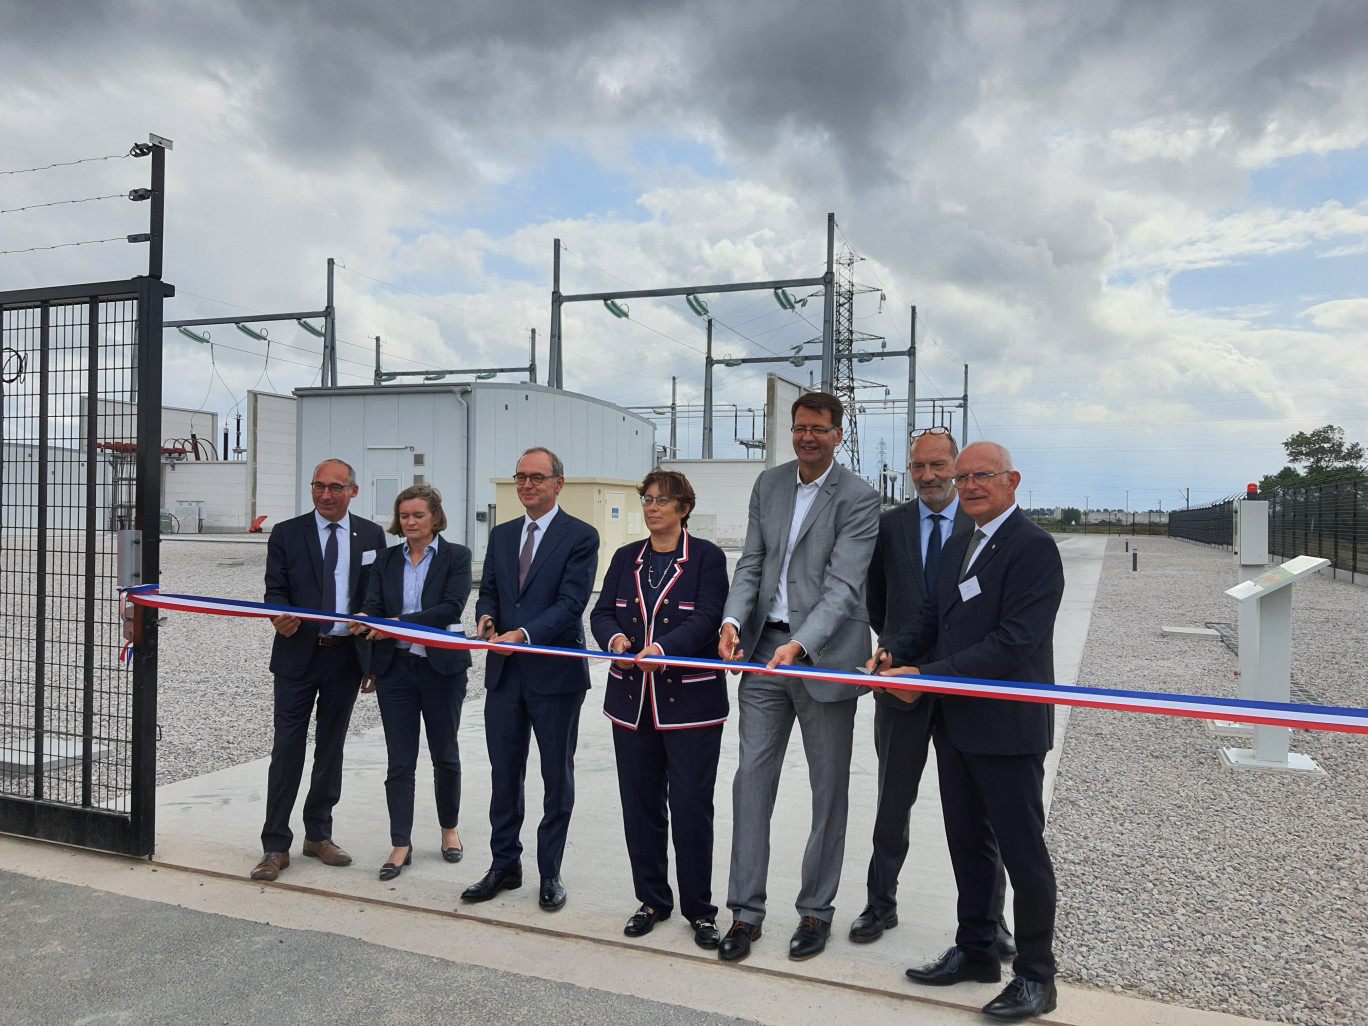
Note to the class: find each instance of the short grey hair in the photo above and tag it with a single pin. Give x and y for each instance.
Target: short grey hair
(351, 471)
(1004, 457)
(557, 467)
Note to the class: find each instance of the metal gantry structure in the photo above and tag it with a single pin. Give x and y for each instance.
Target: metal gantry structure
(827, 282)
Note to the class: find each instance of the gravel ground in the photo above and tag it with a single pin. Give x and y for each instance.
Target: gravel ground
(214, 698)
(1242, 891)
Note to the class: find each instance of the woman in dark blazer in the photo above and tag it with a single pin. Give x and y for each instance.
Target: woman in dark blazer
(424, 580)
(664, 596)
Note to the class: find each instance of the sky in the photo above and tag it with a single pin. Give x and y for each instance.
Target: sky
(1144, 227)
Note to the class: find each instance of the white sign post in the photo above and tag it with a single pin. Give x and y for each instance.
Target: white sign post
(1266, 604)
(1251, 558)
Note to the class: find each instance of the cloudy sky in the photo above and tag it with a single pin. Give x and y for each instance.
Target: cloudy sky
(1143, 226)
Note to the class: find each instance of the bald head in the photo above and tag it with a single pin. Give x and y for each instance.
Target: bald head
(987, 481)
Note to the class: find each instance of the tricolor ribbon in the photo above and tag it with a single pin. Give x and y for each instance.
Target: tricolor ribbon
(1235, 710)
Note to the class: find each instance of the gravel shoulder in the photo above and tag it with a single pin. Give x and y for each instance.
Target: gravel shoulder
(1244, 892)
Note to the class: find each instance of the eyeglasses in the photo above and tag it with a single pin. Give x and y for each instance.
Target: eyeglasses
(817, 432)
(536, 479)
(934, 431)
(331, 489)
(663, 501)
(982, 477)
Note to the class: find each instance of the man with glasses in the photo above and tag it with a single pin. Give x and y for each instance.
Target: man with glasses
(317, 561)
(538, 573)
(992, 617)
(797, 597)
(906, 566)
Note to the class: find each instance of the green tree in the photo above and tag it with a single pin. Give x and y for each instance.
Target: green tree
(1070, 515)
(1323, 451)
(1323, 455)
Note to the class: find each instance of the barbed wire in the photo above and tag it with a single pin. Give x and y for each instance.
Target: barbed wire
(71, 163)
(58, 203)
(64, 245)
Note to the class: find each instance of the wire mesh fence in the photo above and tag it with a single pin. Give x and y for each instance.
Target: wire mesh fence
(1329, 521)
(75, 716)
(1210, 525)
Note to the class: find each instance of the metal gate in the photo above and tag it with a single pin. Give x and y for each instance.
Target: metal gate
(80, 447)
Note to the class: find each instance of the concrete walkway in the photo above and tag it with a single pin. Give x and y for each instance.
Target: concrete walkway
(208, 829)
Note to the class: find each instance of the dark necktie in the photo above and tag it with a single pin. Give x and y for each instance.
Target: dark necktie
(525, 557)
(931, 565)
(330, 574)
(974, 544)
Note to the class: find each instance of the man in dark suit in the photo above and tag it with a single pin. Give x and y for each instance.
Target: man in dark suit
(317, 561)
(538, 573)
(992, 617)
(905, 567)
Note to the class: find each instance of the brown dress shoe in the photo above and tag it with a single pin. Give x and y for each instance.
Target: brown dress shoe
(270, 865)
(327, 852)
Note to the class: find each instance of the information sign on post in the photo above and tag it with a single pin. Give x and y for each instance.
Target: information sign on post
(1266, 601)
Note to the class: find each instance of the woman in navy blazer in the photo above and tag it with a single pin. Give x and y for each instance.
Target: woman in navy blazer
(425, 580)
(665, 596)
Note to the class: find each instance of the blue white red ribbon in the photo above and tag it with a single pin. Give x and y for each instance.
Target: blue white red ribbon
(1235, 710)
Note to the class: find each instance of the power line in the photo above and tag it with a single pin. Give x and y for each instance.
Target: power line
(70, 163)
(58, 203)
(65, 245)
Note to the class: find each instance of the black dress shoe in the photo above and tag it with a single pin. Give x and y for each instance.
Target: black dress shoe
(705, 933)
(494, 881)
(809, 940)
(552, 896)
(870, 924)
(1006, 943)
(736, 944)
(955, 967)
(643, 921)
(453, 854)
(1023, 999)
(390, 870)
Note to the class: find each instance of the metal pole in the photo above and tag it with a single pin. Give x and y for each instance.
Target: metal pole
(829, 313)
(708, 397)
(377, 359)
(532, 367)
(555, 377)
(964, 427)
(674, 417)
(329, 333)
(157, 215)
(912, 386)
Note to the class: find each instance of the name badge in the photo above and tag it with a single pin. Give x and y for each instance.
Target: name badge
(368, 557)
(969, 588)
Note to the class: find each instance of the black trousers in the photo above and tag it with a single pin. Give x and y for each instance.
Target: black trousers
(987, 796)
(333, 680)
(512, 715)
(902, 743)
(409, 691)
(675, 769)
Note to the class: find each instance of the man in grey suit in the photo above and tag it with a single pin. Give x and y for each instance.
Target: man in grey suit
(798, 596)
(902, 573)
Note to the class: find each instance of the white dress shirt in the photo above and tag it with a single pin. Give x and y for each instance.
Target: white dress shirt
(802, 502)
(542, 522)
(342, 576)
(989, 529)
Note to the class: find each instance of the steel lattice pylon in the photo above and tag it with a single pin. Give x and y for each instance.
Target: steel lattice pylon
(844, 380)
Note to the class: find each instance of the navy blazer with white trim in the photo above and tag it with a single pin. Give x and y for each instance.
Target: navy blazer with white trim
(687, 617)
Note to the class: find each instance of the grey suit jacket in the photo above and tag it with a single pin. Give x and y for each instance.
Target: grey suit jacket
(826, 584)
(897, 579)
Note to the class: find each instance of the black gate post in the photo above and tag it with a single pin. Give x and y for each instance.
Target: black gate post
(147, 521)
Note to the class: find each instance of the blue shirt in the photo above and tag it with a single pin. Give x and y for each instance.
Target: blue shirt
(414, 578)
(342, 576)
(947, 526)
